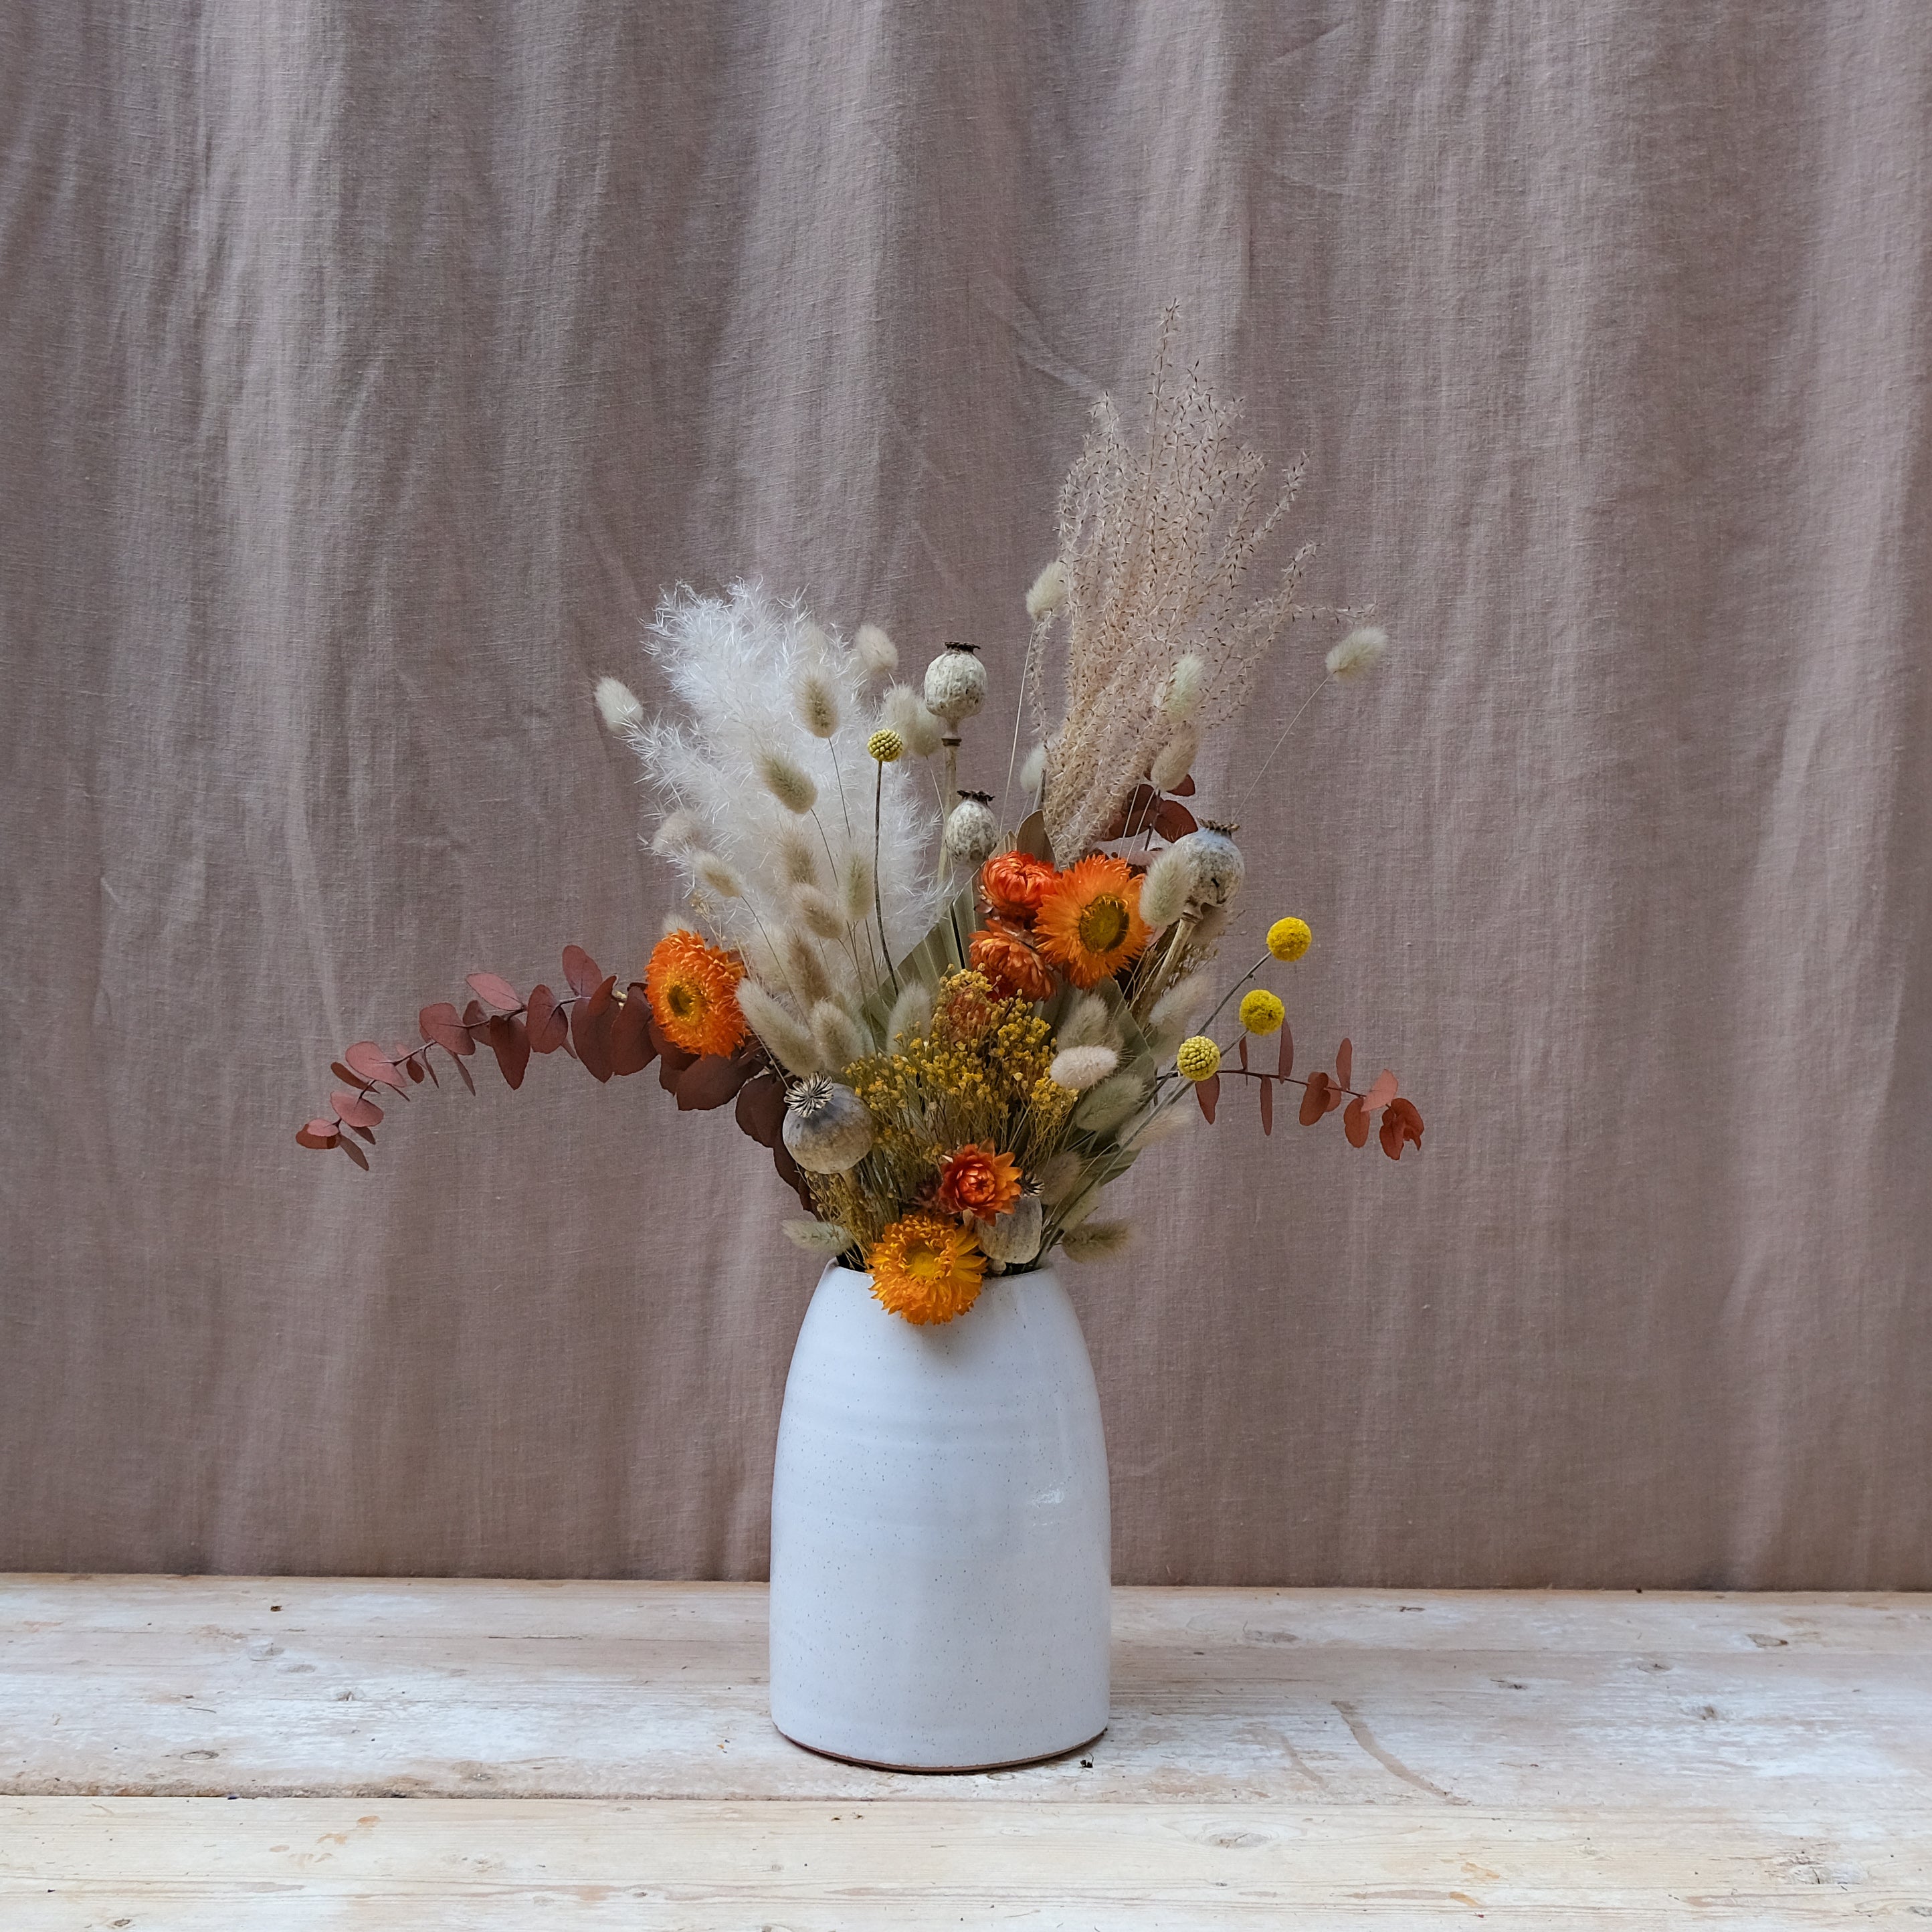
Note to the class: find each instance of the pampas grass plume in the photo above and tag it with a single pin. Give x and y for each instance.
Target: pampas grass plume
(1164, 891)
(1359, 652)
(1048, 590)
(617, 705)
(876, 652)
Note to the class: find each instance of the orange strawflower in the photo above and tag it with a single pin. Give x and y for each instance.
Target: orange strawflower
(693, 989)
(979, 1180)
(1015, 883)
(1012, 967)
(1090, 921)
(926, 1269)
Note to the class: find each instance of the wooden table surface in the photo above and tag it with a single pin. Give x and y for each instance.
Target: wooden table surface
(218, 1753)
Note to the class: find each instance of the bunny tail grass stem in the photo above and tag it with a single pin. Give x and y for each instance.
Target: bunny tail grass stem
(1326, 680)
(878, 903)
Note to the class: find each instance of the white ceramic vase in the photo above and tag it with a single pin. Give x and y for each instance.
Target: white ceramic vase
(941, 1548)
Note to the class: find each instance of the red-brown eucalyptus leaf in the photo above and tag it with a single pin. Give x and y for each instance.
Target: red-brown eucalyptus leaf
(1344, 1062)
(548, 1029)
(1244, 1053)
(469, 1079)
(1267, 1104)
(365, 1133)
(510, 1042)
(1315, 1100)
(369, 1064)
(443, 1025)
(672, 1059)
(789, 1172)
(760, 1109)
(348, 1079)
(1286, 1065)
(429, 1068)
(1185, 789)
(632, 1050)
(602, 996)
(714, 1080)
(1381, 1094)
(580, 972)
(1207, 1095)
(1402, 1124)
(474, 1016)
(1355, 1122)
(590, 1024)
(354, 1153)
(355, 1110)
(414, 1068)
(1174, 821)
(317, 1134)
(494, 991)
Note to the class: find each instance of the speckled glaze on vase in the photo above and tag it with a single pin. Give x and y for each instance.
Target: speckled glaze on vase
(941, 1548)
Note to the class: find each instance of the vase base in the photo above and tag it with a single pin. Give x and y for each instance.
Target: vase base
(944, 1770)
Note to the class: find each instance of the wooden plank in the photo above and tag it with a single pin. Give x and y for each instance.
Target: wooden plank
(189, 1686)
(202, 1865)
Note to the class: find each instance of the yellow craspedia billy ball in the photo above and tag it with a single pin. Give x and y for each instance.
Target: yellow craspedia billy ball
(1198, 1059)
(886, 746)
(1288, 938)
(1261, 1012)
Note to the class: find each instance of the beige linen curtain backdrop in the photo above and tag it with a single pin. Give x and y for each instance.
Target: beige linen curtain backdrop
(366, 370)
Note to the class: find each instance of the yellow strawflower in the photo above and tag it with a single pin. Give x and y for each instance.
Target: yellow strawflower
(886, 746)
(1288, 938)
(1198, 1059)
(1261, 1012)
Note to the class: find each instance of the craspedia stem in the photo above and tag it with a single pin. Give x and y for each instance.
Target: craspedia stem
(878, 896)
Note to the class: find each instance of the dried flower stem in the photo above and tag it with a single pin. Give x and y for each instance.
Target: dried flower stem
(878, 905)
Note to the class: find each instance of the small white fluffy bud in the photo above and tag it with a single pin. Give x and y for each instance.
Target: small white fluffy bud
(1096, 1240)
(911, 1014)
(790, 784)
(1359, 652)
(835, 1033)
(1078, 1068)
(1032, 770)
(956, 684)
(819, 913)
(818, 1238)
(816, 703)
(790, 1043)
(876, 652)
(1175, 759)
(617, 705)
(901, 710)
(972, 833)
(1048, 592)
(1164, 891)
(675, 834)
(1186, 685)
(716, 875)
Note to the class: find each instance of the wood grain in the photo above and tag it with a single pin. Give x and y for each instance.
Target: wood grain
(484, 1754)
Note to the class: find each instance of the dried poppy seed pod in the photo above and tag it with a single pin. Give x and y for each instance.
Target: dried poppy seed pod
(972, 832)
(1014, 1236)
(827, 1129)
(955, 683)
(1215, 862)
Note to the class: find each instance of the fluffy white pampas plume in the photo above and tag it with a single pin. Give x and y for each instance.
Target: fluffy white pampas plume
(617, 705)
(738, 667)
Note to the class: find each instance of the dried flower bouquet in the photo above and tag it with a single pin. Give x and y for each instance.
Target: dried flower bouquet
(954, 1026)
